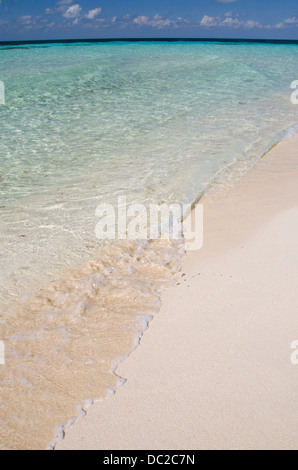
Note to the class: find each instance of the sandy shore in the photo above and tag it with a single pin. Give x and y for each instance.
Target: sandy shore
(213, 371)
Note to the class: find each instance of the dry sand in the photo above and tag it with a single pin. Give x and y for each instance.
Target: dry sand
(213, 371)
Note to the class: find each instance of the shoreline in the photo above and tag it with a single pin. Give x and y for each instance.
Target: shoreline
(155, 372)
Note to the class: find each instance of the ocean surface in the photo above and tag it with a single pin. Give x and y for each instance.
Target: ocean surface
(84, 123)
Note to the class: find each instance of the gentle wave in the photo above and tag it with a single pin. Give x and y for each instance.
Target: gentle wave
(61, 343)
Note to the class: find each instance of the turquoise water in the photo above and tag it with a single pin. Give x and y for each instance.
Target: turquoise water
(86, 123)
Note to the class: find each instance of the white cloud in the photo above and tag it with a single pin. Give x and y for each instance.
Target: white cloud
(229, 22)
(292, 20)
(93, 13)
(252, 24)
(64, 2)
(73, 11)
(141, 20)
(226, 1)
(209, 21)
(26, 19)
(232, 22)
(287, 23)
(156, 22)
(280, 25)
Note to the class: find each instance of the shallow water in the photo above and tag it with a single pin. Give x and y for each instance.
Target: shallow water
(82, 125)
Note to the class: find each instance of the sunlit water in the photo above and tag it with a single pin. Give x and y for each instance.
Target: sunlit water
(82, 125)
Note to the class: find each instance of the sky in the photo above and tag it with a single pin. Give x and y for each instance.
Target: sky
(79, 19)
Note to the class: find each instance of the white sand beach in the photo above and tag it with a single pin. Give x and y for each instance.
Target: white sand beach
(213, 371)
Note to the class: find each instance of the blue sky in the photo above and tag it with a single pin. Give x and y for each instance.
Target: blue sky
(69, 19)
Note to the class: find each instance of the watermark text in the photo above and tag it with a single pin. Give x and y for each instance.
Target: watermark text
(2, 353)
(157, 221)
(294, 355)
(294, 95)
(2, 93)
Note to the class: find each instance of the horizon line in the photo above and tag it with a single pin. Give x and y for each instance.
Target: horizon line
(147, 39)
